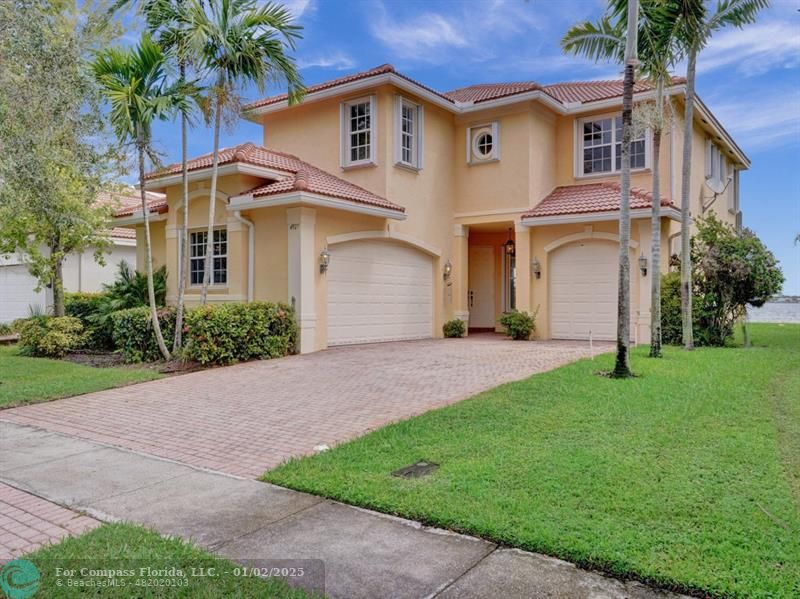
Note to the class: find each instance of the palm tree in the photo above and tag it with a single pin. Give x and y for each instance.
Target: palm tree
(605, 40)
(239, 42)
(602, 36)
(694, 26)
(164, 20)
(134, 83)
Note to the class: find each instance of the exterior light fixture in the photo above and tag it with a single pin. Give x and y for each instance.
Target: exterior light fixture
(447, 270)
(536, 267)
(324, 260)
(509, 246)
(643, 265)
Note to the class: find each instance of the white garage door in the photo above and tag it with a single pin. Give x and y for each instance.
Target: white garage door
(378, 291)
(17, 295)
(583, 290)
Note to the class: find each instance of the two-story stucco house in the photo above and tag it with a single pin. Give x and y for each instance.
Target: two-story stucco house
(380, 207)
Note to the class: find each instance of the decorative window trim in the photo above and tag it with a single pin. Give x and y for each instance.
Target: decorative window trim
(578, 147)
(195, 231)
(417, 137)
(345, 137)
(472, 154)
(717, 167)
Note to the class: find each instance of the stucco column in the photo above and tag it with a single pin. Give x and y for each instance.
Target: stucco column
(302, 270)
(522, 243)
(460, 276)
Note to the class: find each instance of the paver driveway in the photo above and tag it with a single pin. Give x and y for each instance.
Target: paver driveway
(247, 418)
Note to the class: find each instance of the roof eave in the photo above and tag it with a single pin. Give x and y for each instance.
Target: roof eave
(305, 198)
(231, 168)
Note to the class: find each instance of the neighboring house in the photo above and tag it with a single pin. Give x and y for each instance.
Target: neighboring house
(18, 293)
(428, 206)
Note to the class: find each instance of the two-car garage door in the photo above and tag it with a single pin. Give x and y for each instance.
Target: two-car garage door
(583, 290)
(378, 291)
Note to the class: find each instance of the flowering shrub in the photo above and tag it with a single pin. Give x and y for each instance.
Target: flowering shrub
(49, 336)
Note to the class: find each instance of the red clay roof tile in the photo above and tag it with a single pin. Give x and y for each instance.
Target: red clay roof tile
(588, 198)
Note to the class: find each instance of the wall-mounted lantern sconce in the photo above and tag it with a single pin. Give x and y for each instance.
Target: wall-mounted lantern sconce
(324, 260)
(536, 267)
(643, 265)
(510, 246)
(447, 270)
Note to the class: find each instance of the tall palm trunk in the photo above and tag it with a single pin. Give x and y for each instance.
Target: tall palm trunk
(212, 199)
(622, 367)
(655, 248)
(183, 252)
(149, 256)
(686, 173)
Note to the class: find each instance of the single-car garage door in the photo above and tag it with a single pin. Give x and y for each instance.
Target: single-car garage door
(378, 291)
(18, 295)
(583, 290)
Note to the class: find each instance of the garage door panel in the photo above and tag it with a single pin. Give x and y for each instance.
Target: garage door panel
(583, 291)
(378, 291)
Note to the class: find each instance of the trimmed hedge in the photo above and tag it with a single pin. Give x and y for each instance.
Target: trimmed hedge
(86, 307)
(49, 336)
(133, 334)
(227, 333)
(519, 325)
(454, 328)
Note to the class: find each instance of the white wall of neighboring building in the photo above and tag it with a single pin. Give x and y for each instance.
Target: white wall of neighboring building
(18, 293)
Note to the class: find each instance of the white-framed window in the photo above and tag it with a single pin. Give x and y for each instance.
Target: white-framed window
(409, 129)
(716, 167)
(358, 131)
(197, 257)
(599, 146)
(483, 143)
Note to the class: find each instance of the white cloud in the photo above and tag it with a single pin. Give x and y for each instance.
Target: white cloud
(297, 7)
(753, 50)
(763, 121)
(338, 61)
(468, 32)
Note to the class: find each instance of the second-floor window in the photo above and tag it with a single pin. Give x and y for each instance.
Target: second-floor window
(358, 131)
(408, 133)
(197, 257)
(716, 167)
(600, 146)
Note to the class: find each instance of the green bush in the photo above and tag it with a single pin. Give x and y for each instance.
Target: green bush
(5, 329)
(86, 307)
(671, 323)
(454, 328)
(518, 325)
(49, 336)
(227, 333)
(133, 335)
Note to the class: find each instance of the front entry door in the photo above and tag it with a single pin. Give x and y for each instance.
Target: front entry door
(481, 287)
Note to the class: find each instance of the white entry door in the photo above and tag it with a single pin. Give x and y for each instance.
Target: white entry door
(378, 291)
(481, 287)
(583, 290)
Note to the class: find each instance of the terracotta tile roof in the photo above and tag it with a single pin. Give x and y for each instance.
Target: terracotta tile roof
(296, 175)
(566, 93)
(591, 197)
(490, 91)
(591, 91)
(380, 70)
(122, 233)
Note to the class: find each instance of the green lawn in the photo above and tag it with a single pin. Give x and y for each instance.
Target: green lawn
(30, 380)
(687, 477)
(127, 547)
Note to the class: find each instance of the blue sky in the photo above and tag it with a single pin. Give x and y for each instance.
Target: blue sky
(749, 78)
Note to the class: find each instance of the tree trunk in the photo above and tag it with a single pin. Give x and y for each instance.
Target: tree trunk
(622, 367)
(686, 173)
(655, 247)
(58, 284)
(212, 199)
(183, 251)
(149, 257)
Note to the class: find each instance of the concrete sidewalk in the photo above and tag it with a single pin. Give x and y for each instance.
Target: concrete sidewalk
(365, 554)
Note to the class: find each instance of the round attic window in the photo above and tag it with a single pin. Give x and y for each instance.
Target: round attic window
(483, 144)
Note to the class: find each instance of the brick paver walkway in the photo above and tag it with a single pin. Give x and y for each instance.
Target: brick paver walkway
(27, 522)
(247, 418)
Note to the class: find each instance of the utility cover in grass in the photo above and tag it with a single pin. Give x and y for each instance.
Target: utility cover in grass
(418, 470)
